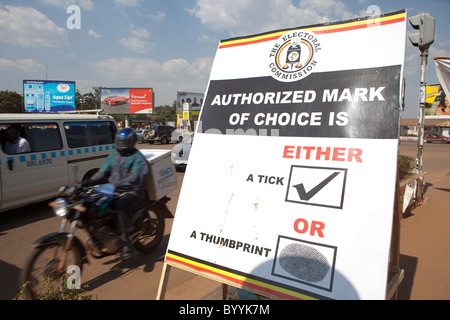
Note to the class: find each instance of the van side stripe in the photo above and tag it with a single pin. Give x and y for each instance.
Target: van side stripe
(87, 159)
(92, 151)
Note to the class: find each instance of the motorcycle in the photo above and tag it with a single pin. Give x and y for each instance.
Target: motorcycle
(91, 209)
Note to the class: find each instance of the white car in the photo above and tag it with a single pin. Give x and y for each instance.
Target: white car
(179, 135)
(140, 134)
(180, 153)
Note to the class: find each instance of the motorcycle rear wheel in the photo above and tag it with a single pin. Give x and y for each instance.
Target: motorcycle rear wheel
(41, 272)
(151, 232)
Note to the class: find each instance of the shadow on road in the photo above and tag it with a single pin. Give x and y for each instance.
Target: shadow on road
(20, 217)
(120, 267)
(8, 281)
(409, 264)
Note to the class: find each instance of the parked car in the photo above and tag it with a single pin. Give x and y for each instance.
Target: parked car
(158, 133)
(140, 134)
(180, 153)
(434, 137)
(179, 135)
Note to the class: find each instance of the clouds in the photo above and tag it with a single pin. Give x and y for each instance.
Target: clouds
(20, 65)
(242, 17)
(136, 70)
(138, 41)
(331, 9)
(139, 32)
(93, 34)
(158, 17)
(128, 3)
(27, 27)
(83, 4)
(87, 4)
(166, 77)
(135, 44)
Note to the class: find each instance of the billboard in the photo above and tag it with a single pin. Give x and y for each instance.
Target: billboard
(436, 101)
(127, 100)
(194, 99)
(48, 96)
(298, 201)
(189, 105)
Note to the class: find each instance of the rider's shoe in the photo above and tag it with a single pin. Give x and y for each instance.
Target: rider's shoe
(127, 251)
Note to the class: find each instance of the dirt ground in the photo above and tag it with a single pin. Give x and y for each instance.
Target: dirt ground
(425, 245)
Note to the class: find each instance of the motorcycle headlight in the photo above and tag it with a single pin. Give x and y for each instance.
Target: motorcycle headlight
(60, 207)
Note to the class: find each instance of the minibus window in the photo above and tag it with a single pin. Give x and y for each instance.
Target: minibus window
(40, 136)
(83, 134)
(43, 136)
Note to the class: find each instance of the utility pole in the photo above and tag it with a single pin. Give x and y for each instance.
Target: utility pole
(425, 23)
(423, 85)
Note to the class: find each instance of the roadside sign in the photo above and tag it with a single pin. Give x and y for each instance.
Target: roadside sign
(127, 100)
(290, 185)
(48, 96)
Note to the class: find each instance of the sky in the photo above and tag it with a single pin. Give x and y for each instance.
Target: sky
(169, 45)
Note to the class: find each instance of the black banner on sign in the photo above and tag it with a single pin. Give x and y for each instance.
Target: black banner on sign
(360, 103)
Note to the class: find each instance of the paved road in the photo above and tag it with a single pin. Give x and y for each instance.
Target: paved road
(436, 156)
(139, 278)
(106, 278)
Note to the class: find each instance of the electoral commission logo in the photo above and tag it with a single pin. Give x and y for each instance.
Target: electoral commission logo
(294, 56)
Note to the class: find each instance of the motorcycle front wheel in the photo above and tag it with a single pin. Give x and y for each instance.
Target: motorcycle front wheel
(42, 274)
(151, 232)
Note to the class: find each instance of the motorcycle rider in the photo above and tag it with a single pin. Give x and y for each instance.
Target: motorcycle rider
(126, 168)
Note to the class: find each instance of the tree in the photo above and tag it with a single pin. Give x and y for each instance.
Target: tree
(78, 100)
(165, 113)
(10, 102)
(87, 101)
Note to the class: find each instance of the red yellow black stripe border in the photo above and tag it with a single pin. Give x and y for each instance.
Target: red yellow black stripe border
(240, 279)
(355, 24)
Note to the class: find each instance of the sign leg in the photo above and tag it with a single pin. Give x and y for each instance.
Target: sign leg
(163, 282)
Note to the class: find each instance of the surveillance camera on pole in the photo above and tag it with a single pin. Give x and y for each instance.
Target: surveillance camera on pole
(423, 22)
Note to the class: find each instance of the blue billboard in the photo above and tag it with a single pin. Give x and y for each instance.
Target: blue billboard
(48, 96)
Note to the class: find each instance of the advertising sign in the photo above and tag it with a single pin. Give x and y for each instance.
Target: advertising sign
(441, 105)
(127, 100)
(48, 96)
(189, 105)
(290, 184)
(193, 99)
(436, 102)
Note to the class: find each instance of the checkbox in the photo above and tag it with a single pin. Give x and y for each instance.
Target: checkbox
(317, 186)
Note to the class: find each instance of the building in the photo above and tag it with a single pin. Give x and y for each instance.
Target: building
(438, 124)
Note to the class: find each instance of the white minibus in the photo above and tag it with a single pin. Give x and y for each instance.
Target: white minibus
(64, 149)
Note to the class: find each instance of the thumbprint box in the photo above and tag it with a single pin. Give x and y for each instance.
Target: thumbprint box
(305, 262)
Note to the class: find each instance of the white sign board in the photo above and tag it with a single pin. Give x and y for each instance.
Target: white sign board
(443, 72)
(291, 179)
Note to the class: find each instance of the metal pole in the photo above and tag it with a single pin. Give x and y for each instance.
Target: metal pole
(423, 81)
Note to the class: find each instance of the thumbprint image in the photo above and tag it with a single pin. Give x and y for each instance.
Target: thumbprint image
(304, 262)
